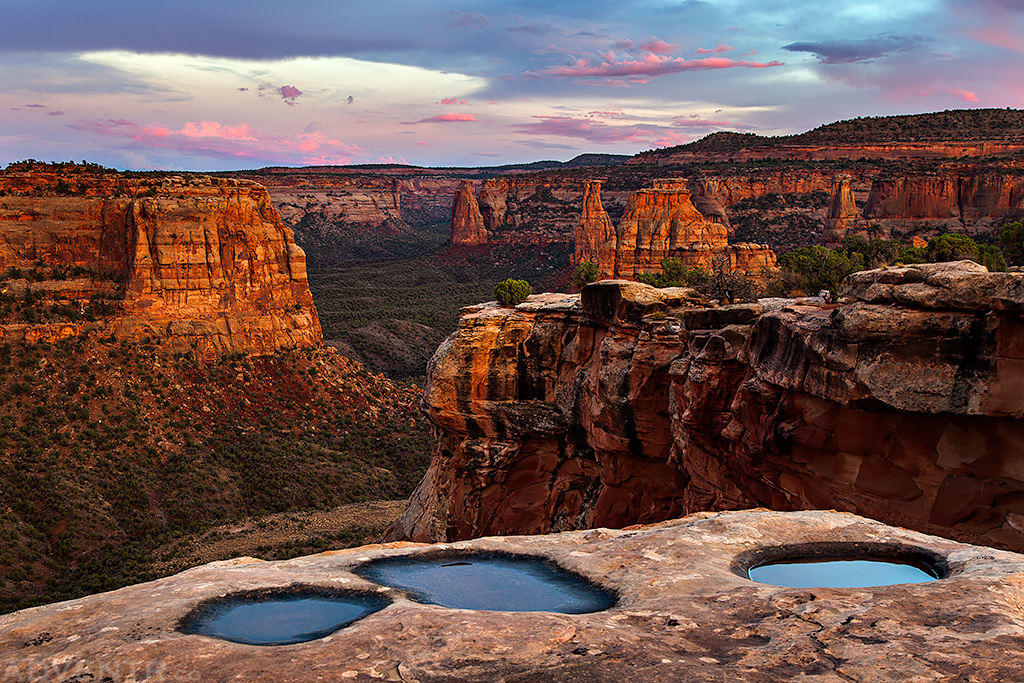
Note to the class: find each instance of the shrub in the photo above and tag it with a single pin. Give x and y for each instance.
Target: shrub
(511, 292)
(1012, 237)
(583, 274)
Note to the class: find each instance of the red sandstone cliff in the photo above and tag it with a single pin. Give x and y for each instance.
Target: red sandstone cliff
(660, 222)
(467, 221)
(202, 264)
(903, 404)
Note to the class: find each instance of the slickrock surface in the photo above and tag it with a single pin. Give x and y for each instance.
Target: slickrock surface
(204, 264)
(685, 612)
(904, 403)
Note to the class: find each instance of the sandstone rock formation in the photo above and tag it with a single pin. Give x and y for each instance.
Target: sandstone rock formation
(596, 240)
(903, 403)
(957, 198)
(467, 221)
(842, 209)
(686, 611)
(660, 222)
(523, 208)
(203, 264)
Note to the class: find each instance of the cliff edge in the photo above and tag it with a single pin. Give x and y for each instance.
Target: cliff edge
(569, 412)
(202, 264)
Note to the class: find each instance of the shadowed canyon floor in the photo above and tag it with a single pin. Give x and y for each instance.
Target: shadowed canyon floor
(685, 611)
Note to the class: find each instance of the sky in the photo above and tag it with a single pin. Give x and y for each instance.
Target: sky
(221, 85)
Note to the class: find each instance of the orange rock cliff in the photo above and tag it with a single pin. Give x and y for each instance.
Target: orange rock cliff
(202, 264)
(660, 222)
(571, 412)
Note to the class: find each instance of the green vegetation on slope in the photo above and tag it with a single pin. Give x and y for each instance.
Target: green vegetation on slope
(392, 315)
(110, 450)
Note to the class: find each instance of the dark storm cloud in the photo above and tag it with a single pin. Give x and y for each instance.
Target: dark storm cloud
(844, 51)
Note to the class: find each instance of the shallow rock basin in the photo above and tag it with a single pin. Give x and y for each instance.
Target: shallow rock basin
(841, 573)
(489, 581)
(280, 617)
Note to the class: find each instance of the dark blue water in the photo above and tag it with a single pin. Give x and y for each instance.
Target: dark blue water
(853, 573)
(282, 618)
(508, 583)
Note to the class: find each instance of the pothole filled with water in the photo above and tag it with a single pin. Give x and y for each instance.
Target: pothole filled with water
(837, 565)
(280, 616)
(491, 581)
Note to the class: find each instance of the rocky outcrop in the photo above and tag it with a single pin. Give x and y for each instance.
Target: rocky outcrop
(467, 221)
(685, 611)
(660, 222)
(202, 264)
(975, 200)
(903, 403)
(596, 240)
(842, 209)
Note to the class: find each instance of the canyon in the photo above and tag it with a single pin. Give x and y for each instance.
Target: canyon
(797, 206)
(205, 265)
(629, 404)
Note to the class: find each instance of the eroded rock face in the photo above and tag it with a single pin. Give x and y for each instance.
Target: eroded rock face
(204, 264)
(685, 611)
(661, 222)
(467, 221)
(904, 403)
(595, 235)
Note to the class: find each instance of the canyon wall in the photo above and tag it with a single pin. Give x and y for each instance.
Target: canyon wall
(568, 412)
(522, 208)
(660, 222)
(885, 150)
(201, 264)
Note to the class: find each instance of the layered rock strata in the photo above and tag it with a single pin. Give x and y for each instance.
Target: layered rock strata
(467, 221)
(660, 222)
(903, 403)
(524, 208)
(202, 264)
(685, 611)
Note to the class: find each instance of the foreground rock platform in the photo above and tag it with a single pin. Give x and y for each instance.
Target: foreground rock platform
(685, 612)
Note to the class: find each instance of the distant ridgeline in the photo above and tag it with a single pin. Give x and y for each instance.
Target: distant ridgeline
(959, 132)
(199, 264)
(896, 177)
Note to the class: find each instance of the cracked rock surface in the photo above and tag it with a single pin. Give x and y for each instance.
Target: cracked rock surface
(686, 611)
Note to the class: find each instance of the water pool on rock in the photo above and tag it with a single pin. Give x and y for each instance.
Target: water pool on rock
(497, 582)
(280, 617)
(840, 573)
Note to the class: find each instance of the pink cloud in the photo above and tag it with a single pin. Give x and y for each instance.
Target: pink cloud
(721, 47)
(215, 139)
(589, 130)
(450, 117)
(696, 121)
(36, 106)
(288, 93)
(450, 101)
(205, 129)
(602, 133)
(651, 65)
(602, 83)
(965, 95)
(659, 47)
(58, 112)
